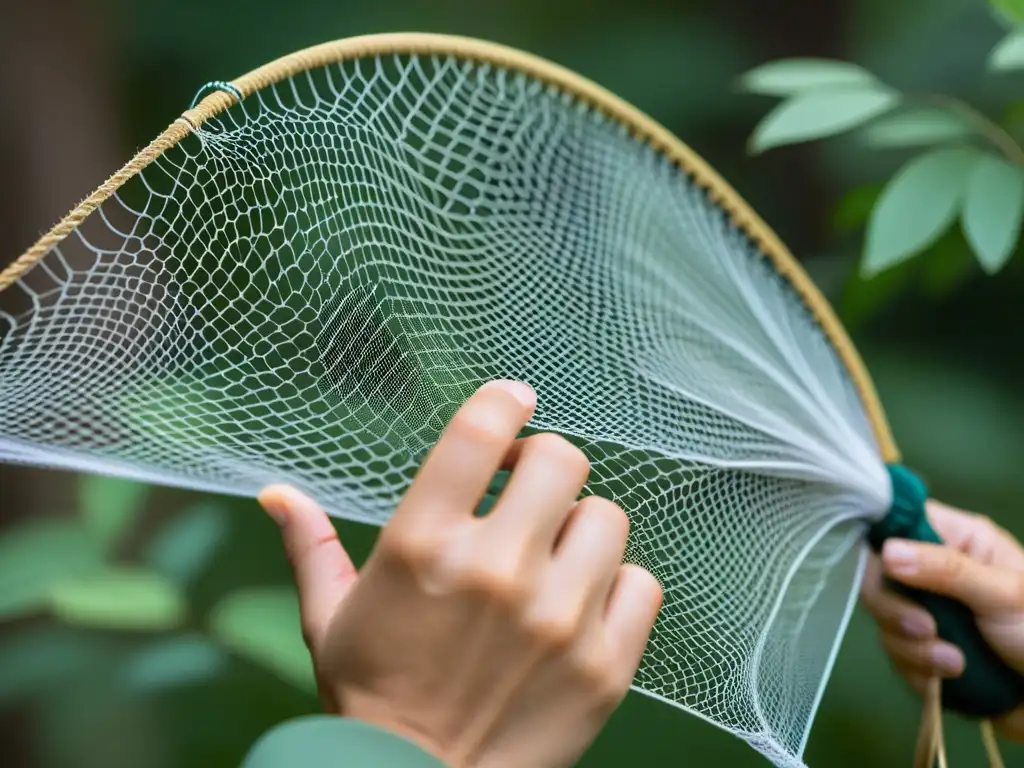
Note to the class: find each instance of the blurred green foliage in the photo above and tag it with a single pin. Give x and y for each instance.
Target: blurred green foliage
(129, 612)
(146, 595)
(153, 628)
(972, 169)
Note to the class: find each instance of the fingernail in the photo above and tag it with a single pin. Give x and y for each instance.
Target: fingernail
(521, 391)
(917, 626)
(276, 502)
(947, 658)
(276, 511)
(900, 557)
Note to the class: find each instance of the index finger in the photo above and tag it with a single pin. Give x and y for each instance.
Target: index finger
(975, 535)
(459, 468)
(953, 525)
(984, 589)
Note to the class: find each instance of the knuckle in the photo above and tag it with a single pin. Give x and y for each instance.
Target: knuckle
(310, 635)
(950, 565)
(904, 652)
(984, 522)
(477, 426)
(891, 646)
(608, 512)
(987, 531)
(308, 548)
(553, 632)
(1017, 590)
(918, 683)
(880, 613)
(494, 583)
(391, 543)
(871, 584)
(411, 547)
(869, 599)
(614, 689)
(560, 451)
(606, 683)
(643, 584)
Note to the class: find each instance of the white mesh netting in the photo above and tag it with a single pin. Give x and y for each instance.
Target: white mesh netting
(307, 287)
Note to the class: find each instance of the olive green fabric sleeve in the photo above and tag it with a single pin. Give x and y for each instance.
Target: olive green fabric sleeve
(322, 741)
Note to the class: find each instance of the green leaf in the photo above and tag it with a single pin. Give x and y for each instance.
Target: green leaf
(916, 128)
(34, 556)
(119, 598)
(817, 114)
(1010, 10)
(184, 546)
(917, 206)
(174, 662)
(786, 77)
(1009, 53)
(263, 626)
(992, 211)
(109, 504)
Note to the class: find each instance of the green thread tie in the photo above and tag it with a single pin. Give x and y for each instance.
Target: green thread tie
(216, 85)
(906, 518)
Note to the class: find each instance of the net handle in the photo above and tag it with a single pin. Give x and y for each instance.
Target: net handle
(930, 751)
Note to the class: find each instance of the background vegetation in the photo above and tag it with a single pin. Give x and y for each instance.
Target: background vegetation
(145, 627)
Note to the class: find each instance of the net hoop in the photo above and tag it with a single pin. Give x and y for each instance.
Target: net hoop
(640, 126)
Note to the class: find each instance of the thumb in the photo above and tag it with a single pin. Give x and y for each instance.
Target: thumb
(985, 589)
(323, 570)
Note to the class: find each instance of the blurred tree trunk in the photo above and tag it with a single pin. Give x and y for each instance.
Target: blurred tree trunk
(59, 139)
(787, 29)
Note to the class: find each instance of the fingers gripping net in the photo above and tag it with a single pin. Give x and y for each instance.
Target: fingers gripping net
(307, 287)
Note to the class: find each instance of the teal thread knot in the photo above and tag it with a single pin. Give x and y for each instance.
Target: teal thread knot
(216, 85)
(906, 518)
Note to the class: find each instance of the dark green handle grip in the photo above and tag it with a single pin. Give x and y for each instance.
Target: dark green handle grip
(988, 686)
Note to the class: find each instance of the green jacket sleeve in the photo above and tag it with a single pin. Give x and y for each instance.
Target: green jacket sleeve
(323, 741)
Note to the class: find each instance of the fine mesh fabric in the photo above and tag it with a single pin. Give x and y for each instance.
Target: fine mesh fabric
(307, 287)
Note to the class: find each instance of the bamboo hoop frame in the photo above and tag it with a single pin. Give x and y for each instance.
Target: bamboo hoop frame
(641, 127)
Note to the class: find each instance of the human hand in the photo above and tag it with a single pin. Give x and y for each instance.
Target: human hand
(502, 640)
(980, 565)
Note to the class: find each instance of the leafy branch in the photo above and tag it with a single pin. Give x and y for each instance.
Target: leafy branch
(967, 167)
(998, 136)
